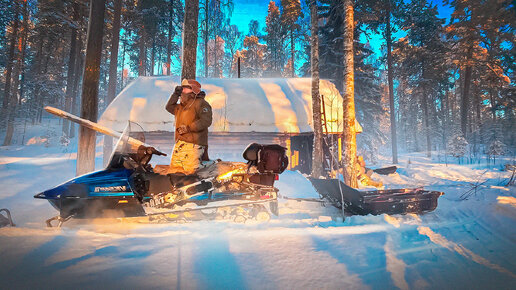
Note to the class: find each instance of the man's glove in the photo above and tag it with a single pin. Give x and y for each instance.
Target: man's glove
(178, 90)
(182, 130)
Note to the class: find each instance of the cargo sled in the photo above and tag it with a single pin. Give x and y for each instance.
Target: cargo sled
(375, 202)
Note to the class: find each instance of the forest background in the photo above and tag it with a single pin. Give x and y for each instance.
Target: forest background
(453, 61)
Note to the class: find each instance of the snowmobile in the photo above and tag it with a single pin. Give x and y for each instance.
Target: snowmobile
(129, 186)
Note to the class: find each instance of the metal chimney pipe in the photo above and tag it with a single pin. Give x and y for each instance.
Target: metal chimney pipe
(239, 67)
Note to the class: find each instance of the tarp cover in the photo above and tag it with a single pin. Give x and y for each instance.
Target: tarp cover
(239, 105)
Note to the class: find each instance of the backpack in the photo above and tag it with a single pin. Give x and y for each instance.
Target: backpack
(267, 158)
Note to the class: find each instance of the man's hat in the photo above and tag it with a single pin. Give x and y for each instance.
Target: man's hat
(193, 84)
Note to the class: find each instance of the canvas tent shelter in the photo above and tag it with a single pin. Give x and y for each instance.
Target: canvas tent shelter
(266, 110)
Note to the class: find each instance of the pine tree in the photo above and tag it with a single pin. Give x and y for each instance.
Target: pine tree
(10, 59)
(252, 58)
(72, 59)
(349, 134)
(89, 101)
(457, 145)
(475, 25)
(317, 159)
(113, 69)
(291, 13)
(274, 38)
(420, 61)
(233, 41)
(189, 58)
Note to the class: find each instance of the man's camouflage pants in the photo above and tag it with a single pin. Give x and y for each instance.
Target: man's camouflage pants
(186, 158)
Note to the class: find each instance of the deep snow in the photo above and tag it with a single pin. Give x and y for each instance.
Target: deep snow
(462, 244)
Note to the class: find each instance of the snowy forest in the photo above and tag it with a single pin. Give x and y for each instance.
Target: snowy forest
(353, 144)
(452, 80)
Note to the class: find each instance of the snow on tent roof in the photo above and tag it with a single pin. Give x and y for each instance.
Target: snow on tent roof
(239, 105)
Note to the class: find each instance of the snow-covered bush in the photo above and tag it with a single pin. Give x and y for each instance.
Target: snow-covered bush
(457, 145)
(496, 148)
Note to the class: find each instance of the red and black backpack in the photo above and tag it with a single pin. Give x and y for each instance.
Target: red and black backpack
(267, 158)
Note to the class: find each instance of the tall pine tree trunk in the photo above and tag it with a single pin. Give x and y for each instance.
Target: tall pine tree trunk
(292, 52)
(113, 69)
(25, 35)
(15, 96)
(394, 141)
(317, 158)
(206, 36)
(170, 31)
(189, 56)
(35, 77)
(142, 55)
(10, 59)
(90, 88)
(79, 71)
(153, 54)
(123, 65)
(465, 94)
(349, 133)
(426, 123)
(70, 73)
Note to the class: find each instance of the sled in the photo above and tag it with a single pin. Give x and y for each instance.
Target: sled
(376, 202)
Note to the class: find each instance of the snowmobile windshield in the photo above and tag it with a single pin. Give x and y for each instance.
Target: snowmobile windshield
(128, 143)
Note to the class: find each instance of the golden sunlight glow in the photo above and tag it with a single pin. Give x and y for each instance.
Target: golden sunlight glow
(218, 101)
(137, 108)
(507, 200)
(286, 119)
(229, 174)
(332, 101)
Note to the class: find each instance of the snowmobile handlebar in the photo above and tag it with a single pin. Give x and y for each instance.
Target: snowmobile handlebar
(152, 150)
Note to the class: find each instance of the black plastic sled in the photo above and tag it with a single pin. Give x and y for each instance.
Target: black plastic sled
(375, 202)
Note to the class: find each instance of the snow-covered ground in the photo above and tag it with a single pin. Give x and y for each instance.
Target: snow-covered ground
(466, 244)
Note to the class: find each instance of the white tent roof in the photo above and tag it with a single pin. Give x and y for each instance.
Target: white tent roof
(239, 105)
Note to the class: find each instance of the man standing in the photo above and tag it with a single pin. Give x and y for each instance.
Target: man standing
(193, 117)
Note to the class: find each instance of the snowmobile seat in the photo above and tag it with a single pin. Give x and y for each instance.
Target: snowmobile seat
(180, 180)
(166, 183)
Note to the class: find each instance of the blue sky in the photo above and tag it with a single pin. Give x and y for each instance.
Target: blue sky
(246, 10)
